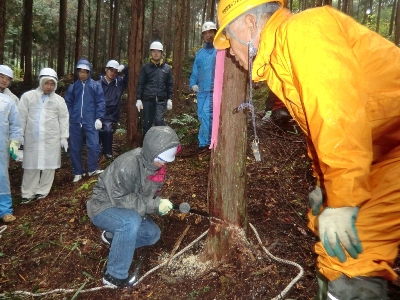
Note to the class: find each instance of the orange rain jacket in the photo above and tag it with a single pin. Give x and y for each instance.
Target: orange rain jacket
(341, 82)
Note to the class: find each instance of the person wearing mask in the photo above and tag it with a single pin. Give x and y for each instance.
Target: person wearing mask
(6, 77)
(10, 136)
(126, 193)
(86, 107)
(113, 87)
(341, 82)
(45, 129)
(202, 83)
(154, 90)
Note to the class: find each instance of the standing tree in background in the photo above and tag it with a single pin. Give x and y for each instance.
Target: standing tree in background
(96, 36)
(114, 35)
(135, 59)
(178, 47)
(62, 38)
(26, 44)
(79, 31)
(2, 29)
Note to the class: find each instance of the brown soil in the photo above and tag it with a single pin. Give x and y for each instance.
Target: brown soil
(53, 244)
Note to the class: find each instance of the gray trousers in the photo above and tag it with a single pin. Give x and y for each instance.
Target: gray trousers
(356, 288)
(36, 182)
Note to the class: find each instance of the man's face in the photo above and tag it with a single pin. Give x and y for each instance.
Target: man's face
(5, 81)
(83, 74)
(111, 73)
(156, 55)
(48, 87)
(238, 50)
(208, 35)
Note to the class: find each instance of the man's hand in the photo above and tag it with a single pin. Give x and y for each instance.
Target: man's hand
(64, 144)
(98, 124)
(14, 149)
(336, 228)
(139, 105)
(121, 68)
(315, 197)
(165, 206)
(195, 88)
(169, 104)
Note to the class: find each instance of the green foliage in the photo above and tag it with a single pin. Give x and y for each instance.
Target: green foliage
(86, 185)
(185, 127)
(260, 94)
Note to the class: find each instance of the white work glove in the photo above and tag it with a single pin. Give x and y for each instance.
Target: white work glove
(195, 88)
(337, 227)
(315, 197)
(14, 145)
(165, 206)
(169, 104)
(121, 68)
(64, 144)
(98, 124)
(139, 105)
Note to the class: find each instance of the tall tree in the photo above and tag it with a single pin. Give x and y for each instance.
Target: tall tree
(178, 47)
(2, 29)
(26, 50)
(62, 38)
(79, 31)
(397, 25)
(114, 35)
(187, 26)
(170, 31)
(96, 37)
(135, 59)
(227, 205)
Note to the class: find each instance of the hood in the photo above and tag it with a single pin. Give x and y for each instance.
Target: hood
(43, 79)
(157, 140)
(84, 62)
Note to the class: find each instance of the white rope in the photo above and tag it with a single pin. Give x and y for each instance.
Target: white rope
(288, 262)
(280, 296)
(2, 228)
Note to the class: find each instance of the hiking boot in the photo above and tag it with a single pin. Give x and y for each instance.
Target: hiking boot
(8, 218)
(27, 200)
(40, 196)
(107, 237)
(130, 281)
(97, 172)
(77, 178)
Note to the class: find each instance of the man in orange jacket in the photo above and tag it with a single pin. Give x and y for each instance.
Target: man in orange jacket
(341, 82)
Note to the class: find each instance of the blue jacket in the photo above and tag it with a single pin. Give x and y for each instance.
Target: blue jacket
(204, 68)
(85, 100)
(112, 94)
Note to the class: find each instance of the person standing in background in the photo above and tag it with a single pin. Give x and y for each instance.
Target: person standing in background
(6, 76)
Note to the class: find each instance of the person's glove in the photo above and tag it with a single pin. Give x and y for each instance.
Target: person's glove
(14, 149)
(337, 228)
(315, 197)
(165, 206)
(139, 105)
(169, 104)
(121, 68)
(195, 88)
(98, 124)
(64, 144)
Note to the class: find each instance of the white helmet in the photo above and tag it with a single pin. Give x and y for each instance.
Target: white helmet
(208, 26)
(83, 66)
(6, 71)
(168, 155)
(112, 64)
(48, 72)
(156, 46)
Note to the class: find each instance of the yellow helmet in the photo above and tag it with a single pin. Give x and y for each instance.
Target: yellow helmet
(228, 10)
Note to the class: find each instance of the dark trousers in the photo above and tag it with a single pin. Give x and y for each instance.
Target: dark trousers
(153, 113)
(106, 137)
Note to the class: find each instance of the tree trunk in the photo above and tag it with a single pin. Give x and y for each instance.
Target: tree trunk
(169, 40)
(178, 47)
(212, 11)
(135, 59)
(378, 17)
(227, 182)
(26, 50)
(2, 29)
(187, 25)
(96, 37)
(62, 39)
(79, 31)
(114, 33)
(108, 28)
(397, 25)
(392, 17)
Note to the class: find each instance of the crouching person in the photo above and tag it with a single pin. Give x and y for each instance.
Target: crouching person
(123, 197)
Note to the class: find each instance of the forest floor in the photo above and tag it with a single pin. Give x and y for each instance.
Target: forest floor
(53, 251)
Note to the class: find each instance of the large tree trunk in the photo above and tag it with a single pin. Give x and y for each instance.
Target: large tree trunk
(135, 59)
(227, 182)
(79, 31)
(2, 29)
(178, 47)
(170, 31)
(114, 33)
(96, 37)
(397, 25)
(26, 50)
(62, 39)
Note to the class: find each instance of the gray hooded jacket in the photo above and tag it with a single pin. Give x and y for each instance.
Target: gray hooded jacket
(126, 184)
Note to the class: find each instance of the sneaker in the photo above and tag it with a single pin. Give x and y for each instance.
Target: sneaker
(8, 218)
(77, 178)
(97, 172)
(130, 281)
(107, 237)
(108, 156)
(27, 200)
(40, 196)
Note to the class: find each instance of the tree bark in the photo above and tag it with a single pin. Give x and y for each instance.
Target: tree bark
(2, 29)
(62, 38)
(397, 25)
(178, 47)
(135, 59)
(79, 31)
(26, 50)
(227, 182)
(96, 37)
(114, 33)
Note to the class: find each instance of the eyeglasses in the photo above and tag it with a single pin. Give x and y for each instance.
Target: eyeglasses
(112, 70)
